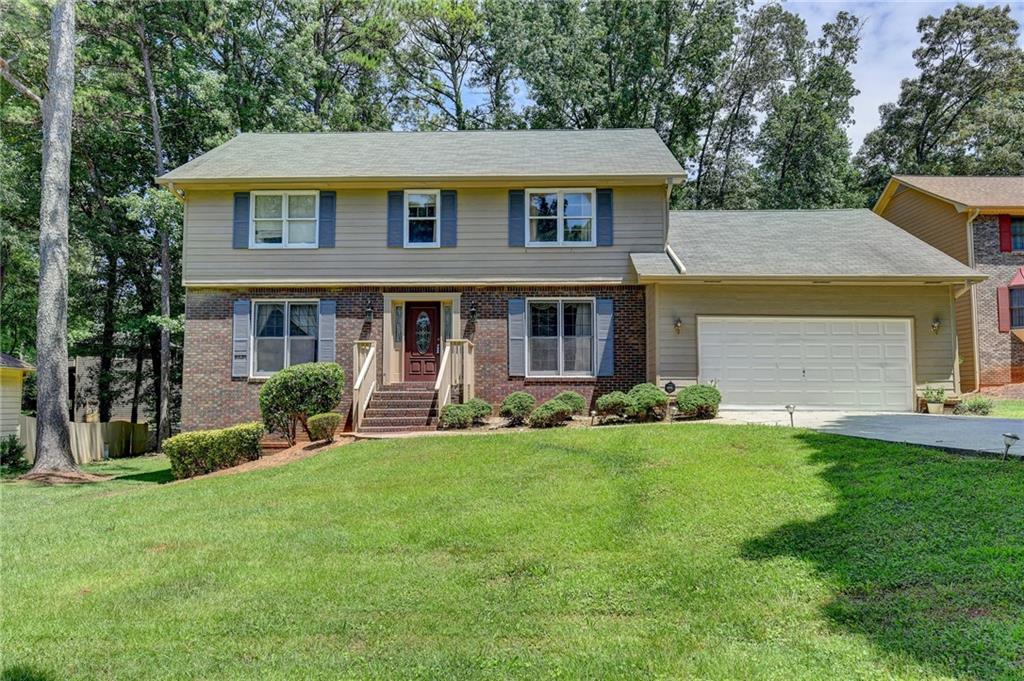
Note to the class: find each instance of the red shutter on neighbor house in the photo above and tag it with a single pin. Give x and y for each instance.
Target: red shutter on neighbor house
(1005, 240)
(1003, 304)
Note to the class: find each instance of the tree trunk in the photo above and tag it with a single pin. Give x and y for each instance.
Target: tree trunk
(53, 445)
(163, 425)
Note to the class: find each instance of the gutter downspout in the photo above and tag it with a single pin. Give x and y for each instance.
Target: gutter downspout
(972, 213)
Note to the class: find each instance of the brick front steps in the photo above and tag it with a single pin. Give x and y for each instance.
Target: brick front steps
(401, 407)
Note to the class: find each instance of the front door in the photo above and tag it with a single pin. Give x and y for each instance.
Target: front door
(422, 341)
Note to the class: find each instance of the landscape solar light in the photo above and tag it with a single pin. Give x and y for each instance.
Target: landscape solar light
(790, 408)
(1009, 440)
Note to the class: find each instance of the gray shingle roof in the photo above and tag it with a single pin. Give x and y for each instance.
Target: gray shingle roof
(653, 264)
(805, 243)
(464, 154)
(974, 192)
(12, 362)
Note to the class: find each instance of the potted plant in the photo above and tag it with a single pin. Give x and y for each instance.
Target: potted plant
(936, 399)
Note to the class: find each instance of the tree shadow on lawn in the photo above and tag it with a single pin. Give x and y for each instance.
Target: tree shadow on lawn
(927, 551)
(25, 673)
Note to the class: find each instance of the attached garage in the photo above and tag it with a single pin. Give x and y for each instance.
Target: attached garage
(835, 309)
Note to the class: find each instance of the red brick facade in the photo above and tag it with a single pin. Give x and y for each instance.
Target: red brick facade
(1000, 354)
(211, 398)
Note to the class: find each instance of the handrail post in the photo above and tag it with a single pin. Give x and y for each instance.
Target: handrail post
(364, 363)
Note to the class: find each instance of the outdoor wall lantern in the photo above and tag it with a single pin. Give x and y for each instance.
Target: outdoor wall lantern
(472, 312)
(368, 315)
(678, 326)
(936, 325)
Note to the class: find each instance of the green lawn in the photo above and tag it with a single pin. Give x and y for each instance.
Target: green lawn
(1010, 409)
(684, 551)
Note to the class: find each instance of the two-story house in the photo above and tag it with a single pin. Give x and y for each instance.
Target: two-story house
(980, 222)
(435, 266)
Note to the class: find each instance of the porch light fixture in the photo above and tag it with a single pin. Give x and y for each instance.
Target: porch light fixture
(1009, 440)
(368, 315)
(790, 408)
(936, 325)
(472, 312)
(678, 326)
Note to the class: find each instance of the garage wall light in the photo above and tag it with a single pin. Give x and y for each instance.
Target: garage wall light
(936, 325)
(678, 326)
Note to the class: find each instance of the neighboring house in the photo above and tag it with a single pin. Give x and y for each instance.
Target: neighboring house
(12, 377)
(980, 222)
(84, 387)
(487, 262)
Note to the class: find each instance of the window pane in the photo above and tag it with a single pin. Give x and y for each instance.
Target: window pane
(422, 205)
(301, 350)
(543, 230)
(301, 206)
(577, 205)
(577, 327)
(269, 354)
(577, 230)
(303, 320)
(268, 231)
(270, 320)
(543, 355)
(1017, 308)
(268, 206)
(544, 337)
(544, 319)
(1017, 234)
(543, 205)
(301, 232)
(421, 231)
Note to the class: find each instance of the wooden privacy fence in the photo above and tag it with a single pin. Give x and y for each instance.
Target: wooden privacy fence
(121, 438)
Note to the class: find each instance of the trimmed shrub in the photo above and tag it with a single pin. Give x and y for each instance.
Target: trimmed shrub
(292, 395)
(649, 402)
(517, 407)
(699, 401)
(551, 413)
(324, 426)
(975, 406)
(456, 416)
(481, 409)
(203, 451)
(576, 402)
(12, 455)
(615, 403)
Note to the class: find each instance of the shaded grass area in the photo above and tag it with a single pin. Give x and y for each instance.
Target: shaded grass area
(1009, 409)
(642, 551)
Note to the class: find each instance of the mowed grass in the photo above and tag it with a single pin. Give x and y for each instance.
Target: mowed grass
(683, 551)
(1009, 409)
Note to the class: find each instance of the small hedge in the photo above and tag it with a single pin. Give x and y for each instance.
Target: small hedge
(456, 417)
(481, 409)
(324, 426)
(576, 402)
(649, 402)
(12, 455)
(204, 451)
(517, 407)
(616, 404)
(550, 414)
(699, 401)
(292, 395)
(975, 406)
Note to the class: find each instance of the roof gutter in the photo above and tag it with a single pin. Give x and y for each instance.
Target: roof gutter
(944, 280)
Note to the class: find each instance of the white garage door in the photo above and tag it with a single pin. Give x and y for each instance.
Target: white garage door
(823, 363)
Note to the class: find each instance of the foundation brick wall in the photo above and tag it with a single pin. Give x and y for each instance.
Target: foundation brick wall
(211, 398)
(1000, 355)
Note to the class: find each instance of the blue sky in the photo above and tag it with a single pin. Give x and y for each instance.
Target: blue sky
(886, 49)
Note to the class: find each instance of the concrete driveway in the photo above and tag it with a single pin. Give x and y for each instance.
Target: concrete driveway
(966, 434)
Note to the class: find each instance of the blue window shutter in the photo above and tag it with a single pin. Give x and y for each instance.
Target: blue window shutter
(240, 328)
(605, 231)
(516, 217)
(328, 215)
(325, 338)
(605, 337)
(396, 204)
(517, 336)
(240, 224)
(449, 218)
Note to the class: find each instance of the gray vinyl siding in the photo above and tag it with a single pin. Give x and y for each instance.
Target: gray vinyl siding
(934, 354)
(361, 253)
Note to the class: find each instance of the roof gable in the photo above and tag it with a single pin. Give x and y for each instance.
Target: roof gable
(963, 192)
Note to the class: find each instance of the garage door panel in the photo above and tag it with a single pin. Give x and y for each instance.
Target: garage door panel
(834, 363)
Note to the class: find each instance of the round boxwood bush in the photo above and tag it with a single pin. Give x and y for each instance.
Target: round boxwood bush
(517, 407)
(481, 409)
(615, 403)
(576, 402)
(324, 426)
(292, 395)
(551, 413)
(456, 417)
(699, 401)
(649, 402)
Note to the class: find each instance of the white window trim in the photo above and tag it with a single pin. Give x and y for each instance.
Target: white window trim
(285, 229)
(287, 335)
(561, 242)
(561, 373)
(436, 243)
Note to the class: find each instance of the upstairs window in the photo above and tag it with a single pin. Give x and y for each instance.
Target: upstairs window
(422, 218)
(284, 219)
(284, 334)
(560, 217)
(1017, 308)
(1017, 234)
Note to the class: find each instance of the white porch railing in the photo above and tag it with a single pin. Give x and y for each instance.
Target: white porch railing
(456, 372)
(364, 360)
